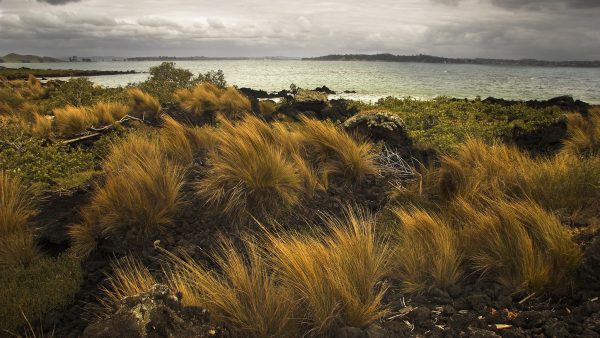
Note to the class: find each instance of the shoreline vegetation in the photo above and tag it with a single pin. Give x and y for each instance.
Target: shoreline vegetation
(24, 73)
(182, 206)
(421, 58)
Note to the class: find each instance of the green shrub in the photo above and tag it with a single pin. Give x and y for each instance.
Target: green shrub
(36, 161)
(34, 291)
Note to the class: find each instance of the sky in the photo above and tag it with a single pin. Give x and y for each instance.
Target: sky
(542, 29)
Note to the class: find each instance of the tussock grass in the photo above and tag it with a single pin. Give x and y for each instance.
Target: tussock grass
(284, 285)
(337, 151)
(42, 126)
(139, 196)
(129, 278)
(208, 98)
(427, 252)
(520, 245)
(143, 105)
(249, 173)
(245, 294)
(72, 120)
(16, 208)
(334, 277)
(109, 112)
(583, 134)
(479, 171)
(180, 142)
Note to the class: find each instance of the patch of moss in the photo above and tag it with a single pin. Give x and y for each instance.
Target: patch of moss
(31, 292)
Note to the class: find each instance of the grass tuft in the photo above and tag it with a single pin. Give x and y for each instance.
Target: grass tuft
(72, 120)
(143, 105)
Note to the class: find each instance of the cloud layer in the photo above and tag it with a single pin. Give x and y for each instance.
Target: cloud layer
(545, 29)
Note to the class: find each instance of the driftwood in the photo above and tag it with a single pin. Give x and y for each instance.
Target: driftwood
(97, 131)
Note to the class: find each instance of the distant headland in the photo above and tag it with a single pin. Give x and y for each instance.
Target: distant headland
(422, 58)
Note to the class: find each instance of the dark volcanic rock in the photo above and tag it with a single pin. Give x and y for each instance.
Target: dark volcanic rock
(589, 271)
(546, 139)
(157, 313)
(566, 103)
(324, 89)
(380, 126)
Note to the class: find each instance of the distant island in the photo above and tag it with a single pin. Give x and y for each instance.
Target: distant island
(422, 58)
(18, 58)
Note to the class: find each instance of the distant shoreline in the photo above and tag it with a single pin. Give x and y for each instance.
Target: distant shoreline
(23, 73)
(442, 60)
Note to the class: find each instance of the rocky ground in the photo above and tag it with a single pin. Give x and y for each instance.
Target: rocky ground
(473, 309)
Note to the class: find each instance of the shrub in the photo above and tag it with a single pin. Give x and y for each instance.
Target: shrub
(16, 208)
(427, 252)
(334, 276)
(28, 293)
(143, 105)
(583, 134)
(338, 152)
(519, 245)
(248, 173)
(214, 77)
(244, 295)
(165, 79)
(72, 120)
(35, 161)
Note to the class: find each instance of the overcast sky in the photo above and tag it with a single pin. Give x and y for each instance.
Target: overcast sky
(543, 29)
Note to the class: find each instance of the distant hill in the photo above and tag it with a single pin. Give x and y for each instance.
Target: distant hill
(436, 59)
(18, 58)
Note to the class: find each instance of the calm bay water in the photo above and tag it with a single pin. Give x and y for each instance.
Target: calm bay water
(373, 80)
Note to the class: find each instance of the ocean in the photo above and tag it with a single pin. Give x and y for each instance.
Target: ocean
(373, 80)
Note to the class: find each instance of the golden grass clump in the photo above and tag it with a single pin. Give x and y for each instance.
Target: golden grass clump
(16, 208)
(181, 142)
(42, 126)
(479, 171)
(336, 151)
(520, 245)
(72, 120)
(129, 278)
(249, 173)
(583, 133)
(335, 277)
(208, 98)
(198, 100)
(245, 294)
(427, 252)
(143, 105)
(140, 195)
(284, 285)
(109, 112)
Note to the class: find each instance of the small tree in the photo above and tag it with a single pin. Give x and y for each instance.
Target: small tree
(216, 77)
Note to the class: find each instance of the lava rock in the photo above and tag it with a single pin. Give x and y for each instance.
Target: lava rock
(157, 313)
(324, 89)
(380, 126)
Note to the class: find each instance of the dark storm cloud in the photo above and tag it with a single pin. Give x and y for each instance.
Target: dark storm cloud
(455, 28)
(533, 4)
(58, 2)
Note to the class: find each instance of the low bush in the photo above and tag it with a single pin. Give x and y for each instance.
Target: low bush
(38, 162)
(29, 293)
